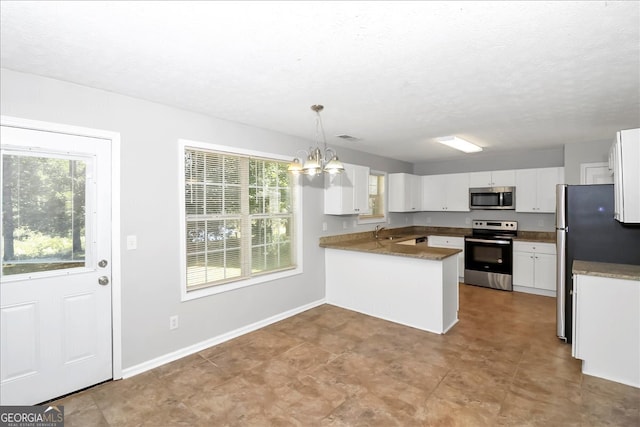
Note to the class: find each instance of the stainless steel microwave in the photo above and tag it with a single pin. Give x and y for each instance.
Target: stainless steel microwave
(492, 198)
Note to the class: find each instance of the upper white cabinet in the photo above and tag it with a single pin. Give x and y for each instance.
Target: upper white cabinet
(448, 192)
(405, 192)
(624, 160)
(347, 193)
(506, 178)
(536, 189)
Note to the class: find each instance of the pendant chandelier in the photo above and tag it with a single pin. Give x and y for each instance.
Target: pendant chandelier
(319, 158)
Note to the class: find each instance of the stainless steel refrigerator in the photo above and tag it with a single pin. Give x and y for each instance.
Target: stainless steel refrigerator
(587, 231)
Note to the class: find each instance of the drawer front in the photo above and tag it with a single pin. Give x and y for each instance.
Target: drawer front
(543, 248)
(446, 242)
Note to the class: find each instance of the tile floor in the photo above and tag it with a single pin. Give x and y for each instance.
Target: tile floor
(501, 365)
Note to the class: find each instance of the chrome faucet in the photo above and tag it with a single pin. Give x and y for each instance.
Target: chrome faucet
(375, 232)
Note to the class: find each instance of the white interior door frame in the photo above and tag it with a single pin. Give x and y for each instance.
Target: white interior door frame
(590, 172)
(116, 272)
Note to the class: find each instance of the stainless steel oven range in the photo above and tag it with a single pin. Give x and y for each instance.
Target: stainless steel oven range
(488, 254)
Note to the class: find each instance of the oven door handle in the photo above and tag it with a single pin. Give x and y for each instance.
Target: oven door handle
(497, 242)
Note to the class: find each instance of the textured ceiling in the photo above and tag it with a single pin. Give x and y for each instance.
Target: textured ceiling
(505, 75)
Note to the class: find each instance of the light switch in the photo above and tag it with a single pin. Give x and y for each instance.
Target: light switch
(132, 242)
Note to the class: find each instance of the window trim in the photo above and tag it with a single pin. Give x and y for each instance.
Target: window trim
(384, 219)
(237, 284)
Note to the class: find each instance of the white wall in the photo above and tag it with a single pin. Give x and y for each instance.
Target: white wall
(588, 152)
(526, 221)
(571, 156)
(487, 161)
(150, 200)
(542, 158)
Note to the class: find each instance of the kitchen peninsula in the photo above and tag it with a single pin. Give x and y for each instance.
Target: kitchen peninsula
(393, 278)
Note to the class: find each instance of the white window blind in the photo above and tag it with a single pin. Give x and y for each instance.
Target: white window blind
(239, 217)
(376, 199)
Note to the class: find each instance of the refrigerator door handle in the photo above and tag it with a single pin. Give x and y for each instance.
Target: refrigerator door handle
(561, 237)
(561, 191)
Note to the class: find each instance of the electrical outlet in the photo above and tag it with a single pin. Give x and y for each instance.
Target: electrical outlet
(132, 242)
(173, 322)
(324, 226)
(355, 223)
(344, 225)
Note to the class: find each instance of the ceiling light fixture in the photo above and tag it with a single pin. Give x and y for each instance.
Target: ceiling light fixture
(459, 144)
(318, 159)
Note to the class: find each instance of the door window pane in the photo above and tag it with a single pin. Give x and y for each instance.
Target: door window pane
(43, 213)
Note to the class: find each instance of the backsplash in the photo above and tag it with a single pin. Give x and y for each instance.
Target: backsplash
(526, 221)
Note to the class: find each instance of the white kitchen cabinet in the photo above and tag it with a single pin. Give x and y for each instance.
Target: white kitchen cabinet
(432, 193)
(624, 160)
(347, 193)
(536, 189)
(423, 293)
(606, 327)
(502, 178)
(449, 192)
(534, 268)
(451, 243)
(405, 192)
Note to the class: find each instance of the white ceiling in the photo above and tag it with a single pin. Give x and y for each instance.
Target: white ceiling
(504, 75)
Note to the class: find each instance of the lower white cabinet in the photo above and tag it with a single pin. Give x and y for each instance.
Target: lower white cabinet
(451, 243)
(416, 292)
(606, 327)
(534, 268)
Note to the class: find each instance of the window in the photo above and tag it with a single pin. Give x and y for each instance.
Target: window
(43, 209)
(240, 218)
(376, 199)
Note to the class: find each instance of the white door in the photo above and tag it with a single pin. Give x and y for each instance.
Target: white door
(595, 173)
(55, 295)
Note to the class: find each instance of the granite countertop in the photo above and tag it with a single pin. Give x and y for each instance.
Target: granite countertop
(365, 242)
(421, 231)
(536, 236)
(392, 247)
(603, 269)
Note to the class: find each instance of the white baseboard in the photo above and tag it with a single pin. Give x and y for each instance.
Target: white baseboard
(535, 291)
(187, 351)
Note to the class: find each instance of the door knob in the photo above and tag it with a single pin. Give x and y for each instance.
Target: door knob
(103, 263)
(103, 280)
